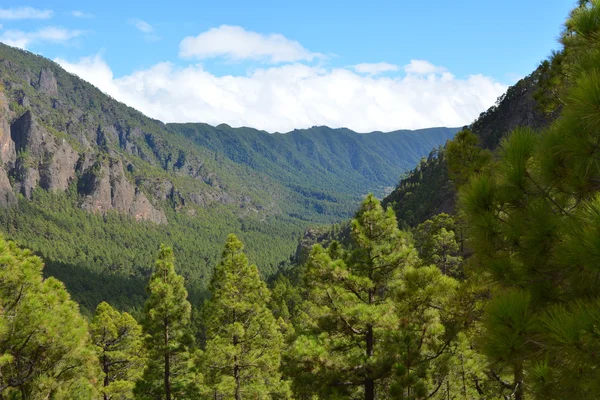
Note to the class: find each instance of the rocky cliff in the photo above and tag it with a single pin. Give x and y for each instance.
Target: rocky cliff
(34, 155)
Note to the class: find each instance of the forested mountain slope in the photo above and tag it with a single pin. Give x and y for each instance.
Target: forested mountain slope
(427, 190)
(92, 185)
(319, 158)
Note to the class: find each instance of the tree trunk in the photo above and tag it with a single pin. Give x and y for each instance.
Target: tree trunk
(236, 375)
(106, 379)
(369, 389)
(167, 363)
(519, 392)
(369, 381)
(236, 366)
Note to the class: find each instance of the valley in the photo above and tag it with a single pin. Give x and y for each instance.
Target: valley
(90, 184)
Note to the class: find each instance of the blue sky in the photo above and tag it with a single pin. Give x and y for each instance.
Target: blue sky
(277, 65)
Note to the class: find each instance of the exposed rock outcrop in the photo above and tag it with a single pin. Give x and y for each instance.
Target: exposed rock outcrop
(50, 162)
(207, 197)
(106, 188)
(127, 139)
(47, 82)
(27, 180)
(7, 197)
(7, 146)
(44, 158)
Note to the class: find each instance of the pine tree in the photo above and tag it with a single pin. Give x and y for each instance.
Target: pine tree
(465, 157)
(45, 349)
(435, 239)
(169, 373)
(533, 221)
(118, 340)
(422, 341)
(244, 342)
(351, 312)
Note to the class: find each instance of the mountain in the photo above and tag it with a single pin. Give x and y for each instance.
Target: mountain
(320, 158)
(427, 190)
(94, 186)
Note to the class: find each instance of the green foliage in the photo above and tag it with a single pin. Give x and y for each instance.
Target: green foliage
(244, 342)
(118, 340)
(435, 240)
(350, 309)
(369, 316)
(169, 373)
(533, 225)
(465, 158)
(372, 322)
(421, 341)
(427, 190)
(45, 349)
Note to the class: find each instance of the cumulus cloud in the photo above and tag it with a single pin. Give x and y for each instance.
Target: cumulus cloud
(422, 67)
(81, 14)
(281, 98)
(375, 68)
(50, 34)
(141, 26)
(236, 43)
(24, 13)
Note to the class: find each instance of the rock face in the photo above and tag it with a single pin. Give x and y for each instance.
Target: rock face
(51, 163)
(7, 146)
(107, 188)
(44, 159)
(47, 82)
(7, 197)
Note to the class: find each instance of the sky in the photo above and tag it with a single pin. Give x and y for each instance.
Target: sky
(281, 65)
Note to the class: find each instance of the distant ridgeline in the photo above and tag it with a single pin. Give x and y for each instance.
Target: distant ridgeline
(94, 187)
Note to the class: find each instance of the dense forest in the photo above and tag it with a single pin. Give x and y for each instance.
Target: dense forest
(496, 298)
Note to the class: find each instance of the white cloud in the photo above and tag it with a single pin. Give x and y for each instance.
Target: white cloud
(24, 13)
(142, 26)
(81, 14)
(375, 68)
(422, 67)
(51, 34)
(292, 96)
(236, 43)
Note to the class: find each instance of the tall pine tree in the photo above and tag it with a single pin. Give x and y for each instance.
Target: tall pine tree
(45, 349)
(244, 342)
(351, 312)
(118, 340)
(533, 221)
(169, 373)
